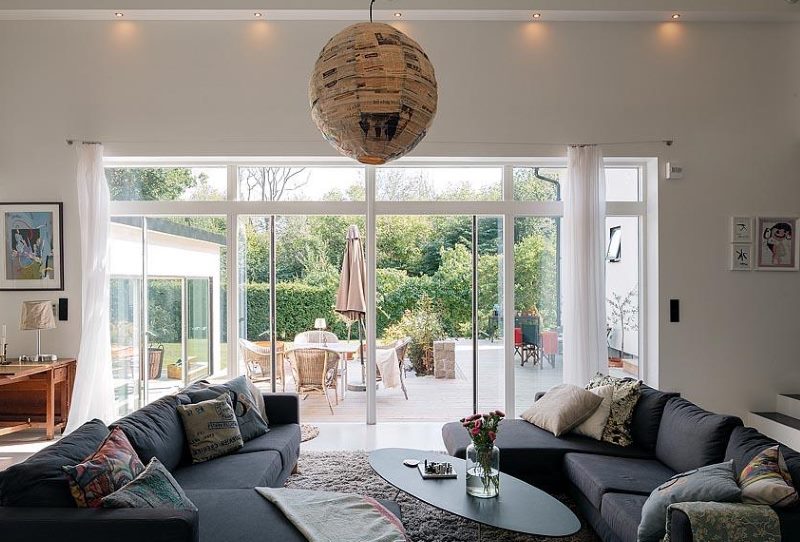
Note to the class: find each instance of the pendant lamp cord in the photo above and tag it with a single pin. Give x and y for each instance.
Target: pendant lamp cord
(370, 10)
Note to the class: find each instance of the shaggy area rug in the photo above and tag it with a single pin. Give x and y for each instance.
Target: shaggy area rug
(308, 432)
(349, 472)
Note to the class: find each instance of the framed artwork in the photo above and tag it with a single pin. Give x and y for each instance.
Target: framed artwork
(742, 229)
(32, 246)
(777, 244)
(741, 257)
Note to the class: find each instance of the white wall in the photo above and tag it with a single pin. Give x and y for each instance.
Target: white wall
(728, 94)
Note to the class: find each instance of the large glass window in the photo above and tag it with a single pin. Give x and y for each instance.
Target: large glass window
(300, 183)
(439, 184)
(167, 183)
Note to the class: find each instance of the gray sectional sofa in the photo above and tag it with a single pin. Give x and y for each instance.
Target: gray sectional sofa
(610, 483)
(36, 505)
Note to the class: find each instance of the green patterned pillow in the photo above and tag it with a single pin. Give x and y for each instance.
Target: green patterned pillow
(154, 488)
(211, 428)
(624, 399)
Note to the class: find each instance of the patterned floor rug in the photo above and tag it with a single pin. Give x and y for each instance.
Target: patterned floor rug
(308, 432)
(350, 472)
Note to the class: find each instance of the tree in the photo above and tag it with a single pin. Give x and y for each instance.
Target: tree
(149, 184)
(270, 183)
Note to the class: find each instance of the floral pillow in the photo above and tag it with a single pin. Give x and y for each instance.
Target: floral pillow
(623, 401)
(114, 464)
(766, 480)
(154, 488)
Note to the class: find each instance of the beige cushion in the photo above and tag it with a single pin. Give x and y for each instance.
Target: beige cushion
(562, 408)
(595, 424)
(211, 428)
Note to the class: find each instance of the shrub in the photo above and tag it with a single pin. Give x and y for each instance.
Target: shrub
(423, 326)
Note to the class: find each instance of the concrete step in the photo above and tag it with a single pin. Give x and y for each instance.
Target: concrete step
(785, 429)
(789, 404)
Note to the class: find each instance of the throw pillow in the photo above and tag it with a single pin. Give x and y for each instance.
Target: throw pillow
(251, 423)
(153, 488)
(562, 408)
(594, 426)
(113, 465)
(211, 428)
(766, 480)
(259, 399)
(626, 395)
(714, 483)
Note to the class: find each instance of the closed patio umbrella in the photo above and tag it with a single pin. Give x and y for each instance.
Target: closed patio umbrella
(351, 299)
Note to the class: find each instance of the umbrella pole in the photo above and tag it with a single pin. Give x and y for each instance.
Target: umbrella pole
(360, 386)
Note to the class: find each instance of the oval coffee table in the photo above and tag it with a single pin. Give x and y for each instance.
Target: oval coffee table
(520, 507)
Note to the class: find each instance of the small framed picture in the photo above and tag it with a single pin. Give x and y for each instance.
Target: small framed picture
(32, 246)
(777, 244)
(741, 257)
(742, 229)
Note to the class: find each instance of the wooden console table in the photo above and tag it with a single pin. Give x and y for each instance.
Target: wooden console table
(36, 395)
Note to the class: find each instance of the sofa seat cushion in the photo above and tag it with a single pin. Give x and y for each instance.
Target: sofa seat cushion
(596, 475)
(284, 439)
(40, 480)
(690, 437)
(533, 454)
(156, 430)
(237, 471)
(242, 515)
(623, 512)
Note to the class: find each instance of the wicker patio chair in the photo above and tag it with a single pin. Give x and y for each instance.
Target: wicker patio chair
(315, 370)
(258, 363)
(155, 358)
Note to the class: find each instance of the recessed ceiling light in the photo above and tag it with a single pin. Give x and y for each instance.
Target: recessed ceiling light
(676, 16)
(119, 14)
(537, 15)
(398, 14)
(258, 14)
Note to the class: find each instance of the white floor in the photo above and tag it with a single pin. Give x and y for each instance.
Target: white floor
(359, 436)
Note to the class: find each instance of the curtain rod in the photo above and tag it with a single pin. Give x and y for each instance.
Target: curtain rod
(667, 142)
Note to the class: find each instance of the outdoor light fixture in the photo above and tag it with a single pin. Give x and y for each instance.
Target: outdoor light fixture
(537, 15)
(398, 14)
(257, 14)
(119, 14)
(676, 16)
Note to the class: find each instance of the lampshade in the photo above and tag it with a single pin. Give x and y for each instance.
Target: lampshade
(373, 93)
(37, 315)
(320, 323)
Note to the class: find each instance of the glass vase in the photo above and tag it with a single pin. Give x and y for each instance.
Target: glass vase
(483, 471)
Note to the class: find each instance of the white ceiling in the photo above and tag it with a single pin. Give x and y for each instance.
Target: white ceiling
(501, 10)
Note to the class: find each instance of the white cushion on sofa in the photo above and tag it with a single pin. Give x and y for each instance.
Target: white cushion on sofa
(593, 427)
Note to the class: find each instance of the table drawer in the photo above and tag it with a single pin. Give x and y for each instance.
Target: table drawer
(60, 374)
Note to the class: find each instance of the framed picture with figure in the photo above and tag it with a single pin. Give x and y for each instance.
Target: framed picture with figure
(32, 246)
(777, 244)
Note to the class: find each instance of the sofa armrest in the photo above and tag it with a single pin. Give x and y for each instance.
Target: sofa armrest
(680, 527)
(98, 525)
(282, 408)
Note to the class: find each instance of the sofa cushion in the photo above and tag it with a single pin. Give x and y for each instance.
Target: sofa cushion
(248, 412)
(564, 407)
(153, 488)
(766, 480)
(596, 475)
(690, 437)
(39, 480)
(647, 416)
(110, 467)
(624, 400)
(237, 515)
(533, 454)
(156, 430)
(623, 512)
(211, 428)
(236, 471)
(284, 439)
(595, 424)
(746, 443)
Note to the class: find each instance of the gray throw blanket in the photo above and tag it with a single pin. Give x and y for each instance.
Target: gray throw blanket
(323, 516)
(728, 522)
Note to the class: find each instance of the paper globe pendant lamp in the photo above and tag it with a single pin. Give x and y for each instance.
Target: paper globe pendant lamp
(373, 93)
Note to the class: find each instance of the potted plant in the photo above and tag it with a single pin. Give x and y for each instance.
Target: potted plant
(623, 315)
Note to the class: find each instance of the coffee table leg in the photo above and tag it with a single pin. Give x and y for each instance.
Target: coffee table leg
(479, 532)
(399, 491)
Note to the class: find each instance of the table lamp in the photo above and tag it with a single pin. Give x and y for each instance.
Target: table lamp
(320, 325)
(36, 316)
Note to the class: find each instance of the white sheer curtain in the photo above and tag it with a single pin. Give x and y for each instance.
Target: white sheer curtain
(585, 347)
(93, 395)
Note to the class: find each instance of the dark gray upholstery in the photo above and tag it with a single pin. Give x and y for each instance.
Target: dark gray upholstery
(236, 471)
(156, 430)
(282, 408)
(533, 454)
(596, 475)
(623, 512)
(690, 437)
(284, 439)
(39, 481)
(242, 515)
(647, 416)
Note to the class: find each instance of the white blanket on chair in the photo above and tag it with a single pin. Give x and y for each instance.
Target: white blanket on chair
(324, 516)
(389, 366)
